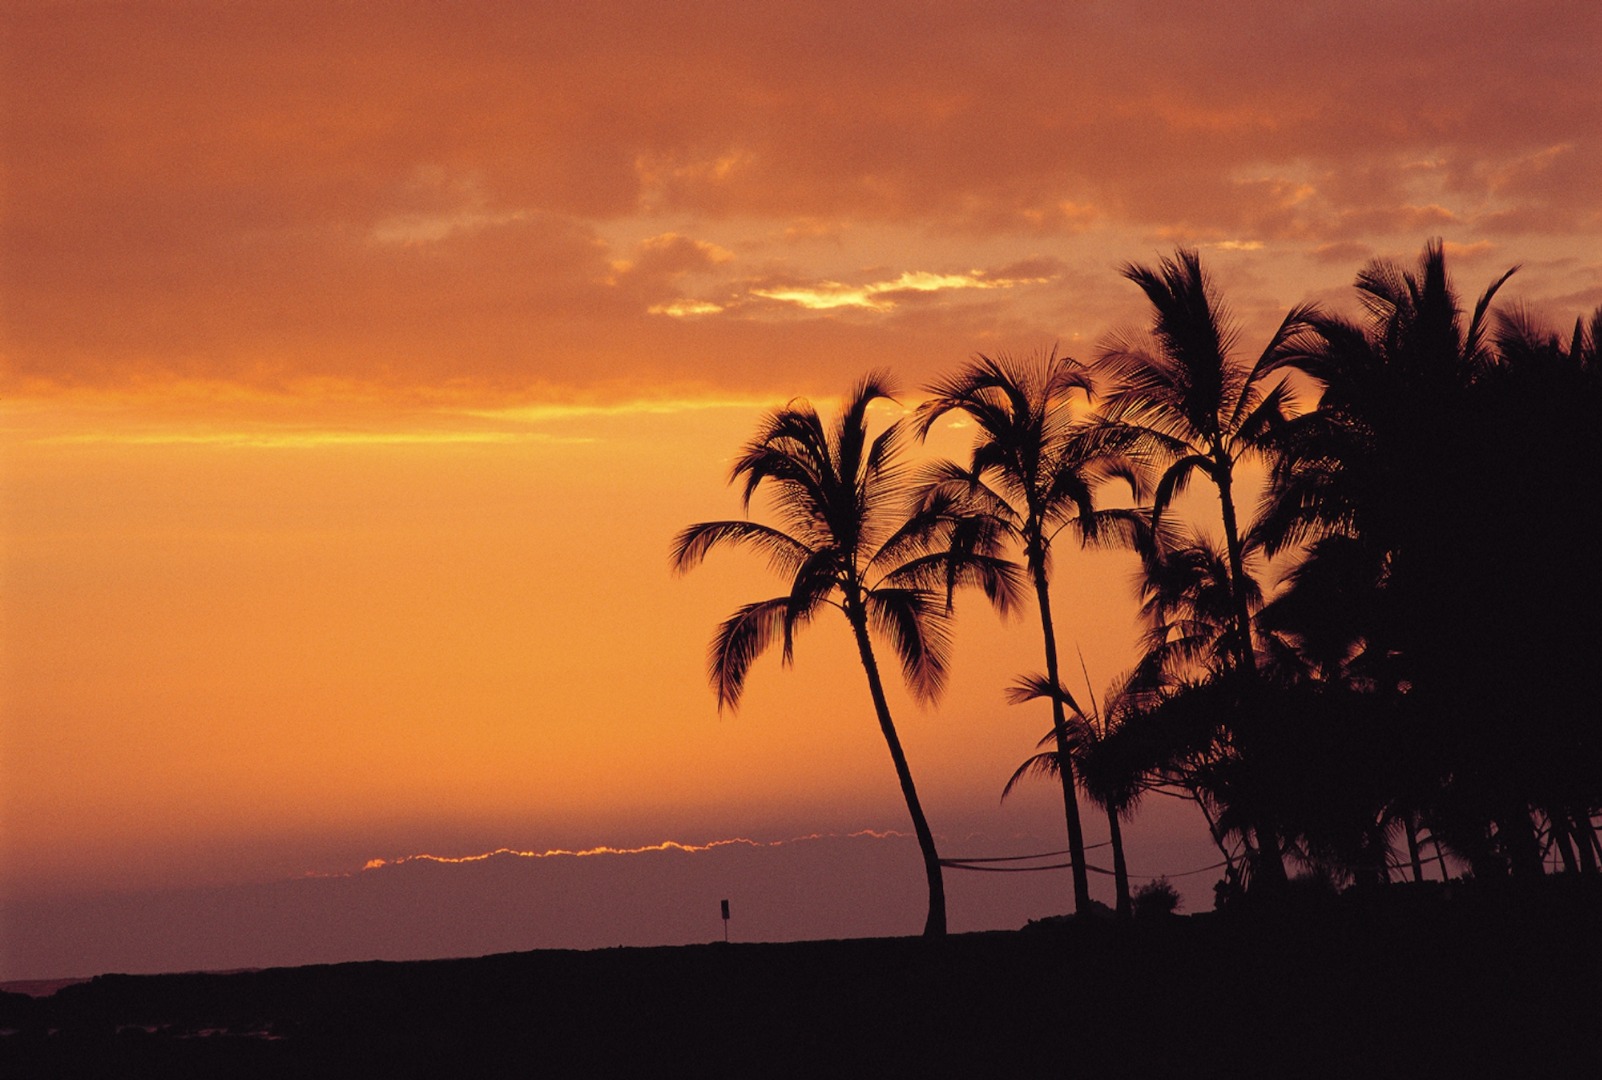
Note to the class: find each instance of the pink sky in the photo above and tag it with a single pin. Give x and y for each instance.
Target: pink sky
(359, 363)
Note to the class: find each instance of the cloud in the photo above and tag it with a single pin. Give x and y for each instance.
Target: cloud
(884, 295)
(266, 193)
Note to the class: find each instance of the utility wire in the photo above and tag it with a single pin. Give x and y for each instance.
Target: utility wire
(1024, 858)
(969, 864)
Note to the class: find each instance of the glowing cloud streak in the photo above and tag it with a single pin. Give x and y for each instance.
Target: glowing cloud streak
(877, 295)
(665, 845)
(683, 309)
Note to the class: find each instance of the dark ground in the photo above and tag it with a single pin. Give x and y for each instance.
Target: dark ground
(1404, 983)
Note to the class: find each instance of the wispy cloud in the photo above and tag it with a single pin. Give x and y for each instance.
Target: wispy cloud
(682, 309)
(883, 295)
(665, 845)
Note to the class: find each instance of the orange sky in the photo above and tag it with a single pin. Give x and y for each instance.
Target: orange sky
(360, 361)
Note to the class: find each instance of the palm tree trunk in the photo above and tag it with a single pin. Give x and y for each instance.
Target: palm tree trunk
(1125, 905)
(1270, 860)
(1560, 838)
(1244, 653)
(1059, 728)
(1440, 856)
(1585, 840)
(1410, 829)
(935, 925)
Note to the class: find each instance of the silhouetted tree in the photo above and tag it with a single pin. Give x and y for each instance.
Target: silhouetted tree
(1116, 795)
(1433, 486)
(1032, 473)
(1183, 402)
(1174, 717)
(846, 542)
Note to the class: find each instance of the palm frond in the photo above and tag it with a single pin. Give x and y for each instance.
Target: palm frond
(740, 639)
(916, 623)
(814, 583)
(1000, 579)
(853, 458)
(1474, 351)
(1266, 416)
(1120, 529)
(784, 552)
(943, 487)
(1035, 686)
(1285, 341)
(1042, 765)
(1176, 478)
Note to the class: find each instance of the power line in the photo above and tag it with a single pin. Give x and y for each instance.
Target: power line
(974, 864)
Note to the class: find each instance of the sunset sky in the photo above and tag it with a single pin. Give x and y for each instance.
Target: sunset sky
(359, 361)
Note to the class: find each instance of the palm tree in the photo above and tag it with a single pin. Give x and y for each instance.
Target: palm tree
(1182, 401)
(844, 543)
(1169, 720)
(1085, 732)
(1559, 381)
(1030, 475)
(1389, 414)
(1386, 484)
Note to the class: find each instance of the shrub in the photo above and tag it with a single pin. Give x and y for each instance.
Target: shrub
(1155, 899)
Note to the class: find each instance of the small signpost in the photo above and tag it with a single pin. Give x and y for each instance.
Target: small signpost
(725, 922)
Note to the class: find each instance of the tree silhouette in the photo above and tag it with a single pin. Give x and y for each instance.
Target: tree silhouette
(1032, 473)
(1386, 482)
(1084, 732)
(1557, 384)
(1182, 402)
(1172, 721)
(846, 542)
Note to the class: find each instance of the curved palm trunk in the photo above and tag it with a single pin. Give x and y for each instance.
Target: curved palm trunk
(1059, 728)
(935, 925)
(1269, 857)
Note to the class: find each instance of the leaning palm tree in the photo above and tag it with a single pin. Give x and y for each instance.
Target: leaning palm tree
(845, 542)
(1183, 402)
(1031, 476)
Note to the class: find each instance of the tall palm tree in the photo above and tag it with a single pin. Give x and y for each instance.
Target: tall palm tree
(1182, 401)
(845, 542)
(1031, 474)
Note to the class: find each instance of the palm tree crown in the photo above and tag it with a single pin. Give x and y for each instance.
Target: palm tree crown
(1180, 398)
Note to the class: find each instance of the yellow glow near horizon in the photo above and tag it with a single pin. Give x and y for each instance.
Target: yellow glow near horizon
(307, 439)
